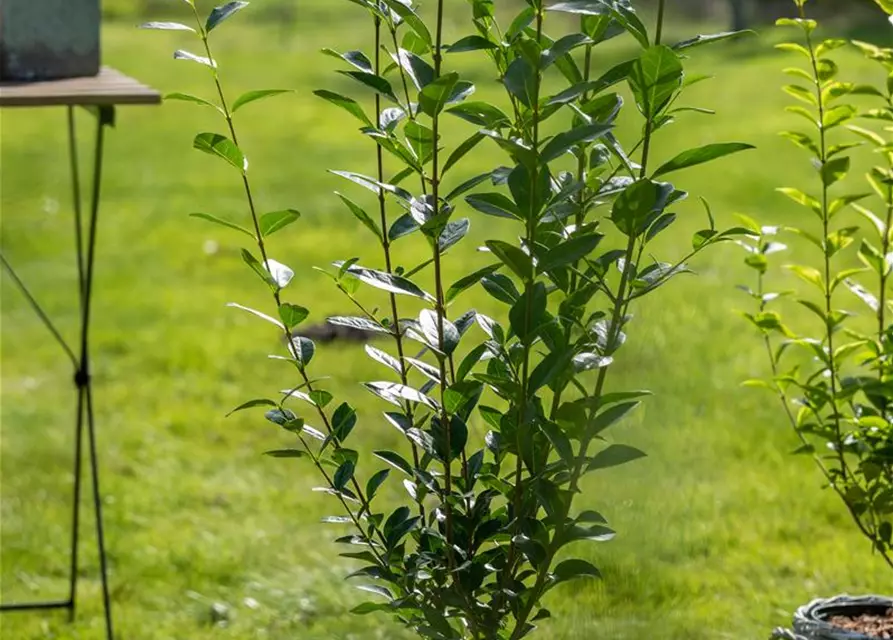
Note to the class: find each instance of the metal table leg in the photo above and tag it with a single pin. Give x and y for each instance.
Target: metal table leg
(85, 250)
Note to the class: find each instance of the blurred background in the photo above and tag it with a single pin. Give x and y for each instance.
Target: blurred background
(721, 533)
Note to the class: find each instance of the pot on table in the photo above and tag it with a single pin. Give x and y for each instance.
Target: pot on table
(810, 621)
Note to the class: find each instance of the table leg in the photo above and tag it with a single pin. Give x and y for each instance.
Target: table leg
(86, 256)
(85, 250)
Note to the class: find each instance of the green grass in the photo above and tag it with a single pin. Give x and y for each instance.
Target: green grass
(721, 532)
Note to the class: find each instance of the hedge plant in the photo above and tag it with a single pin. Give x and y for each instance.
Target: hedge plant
(501, 417)
(833, 375)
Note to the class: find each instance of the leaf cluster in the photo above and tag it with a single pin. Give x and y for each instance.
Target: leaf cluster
(486, 523)
(834, 375)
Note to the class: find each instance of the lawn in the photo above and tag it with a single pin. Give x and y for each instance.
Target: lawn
(721, 533)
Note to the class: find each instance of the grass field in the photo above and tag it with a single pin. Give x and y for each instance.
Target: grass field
(721, 533)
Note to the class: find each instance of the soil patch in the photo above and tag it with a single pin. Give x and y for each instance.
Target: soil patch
(874, 626)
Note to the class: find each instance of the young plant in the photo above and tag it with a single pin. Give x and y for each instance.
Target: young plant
(835, 382)
(484, 529)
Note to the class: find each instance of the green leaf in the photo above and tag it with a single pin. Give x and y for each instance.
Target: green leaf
(363, 324)
(372, 81)
(375, 482)
(218, 145)
(166, 26)
(286, 453)
(259, 314)
(405, 11)
(874, 259)
(256, 266)
(564, 142)
(386, 281)
(188, 97)
(470, 43)
(470, 280)
(254, 96)
(344, 419)
(655, 77)
(562, 47)
(836, 116)
(480, 113)
(608, 417)
(270, 223)
(361, 215)
(494, 204)
(574, 568)
(513, 257)
(457, 396)
(260, 402)
(559, 440)
(395, 460)
(416, 69)
(521, 81)
(223, 12)
(343, 475)
(694, 157)
(452, 233)
(501, 287)
(365, 608)
(569, 252)
(458, 435)
(431, 323)
(356, 59)
(835, 170)
(435, 96)
(709, 39)
(348, 104)
(220, 221)
(302, 349)
(394, 392)
(613, 456)
(292, 315)
(808, 274)
(526, 314)
(280, 274)
(802, 140)
(634, 205)
(180, 54)
(467, 145)
(801, 198)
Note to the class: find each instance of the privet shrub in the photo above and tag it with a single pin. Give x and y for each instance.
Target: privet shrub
(475, 544)
(834, 377)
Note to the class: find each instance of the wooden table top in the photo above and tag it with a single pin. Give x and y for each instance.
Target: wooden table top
(110, 87)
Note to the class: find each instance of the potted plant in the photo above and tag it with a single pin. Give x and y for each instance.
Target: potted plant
(500, 417)
(834, 375)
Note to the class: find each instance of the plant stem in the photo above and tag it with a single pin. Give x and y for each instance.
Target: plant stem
(620, 303)
(440, 306)
(579, 218)
(262, 249)
(386, 246)
(826, 220)
(409, 112)
(529, 239)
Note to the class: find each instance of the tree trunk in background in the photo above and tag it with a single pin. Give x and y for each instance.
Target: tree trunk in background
(740, 14)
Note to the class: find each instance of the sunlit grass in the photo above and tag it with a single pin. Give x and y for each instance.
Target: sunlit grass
(721, 533)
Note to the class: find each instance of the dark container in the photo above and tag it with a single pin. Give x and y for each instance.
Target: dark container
(48, 39)
(810, 621)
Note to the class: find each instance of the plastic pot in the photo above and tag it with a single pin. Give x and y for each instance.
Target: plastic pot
(810, 620)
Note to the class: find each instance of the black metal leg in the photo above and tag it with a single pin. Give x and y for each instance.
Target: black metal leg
(76, 507)
(106, 117)
(79, 420)
(85, 262)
